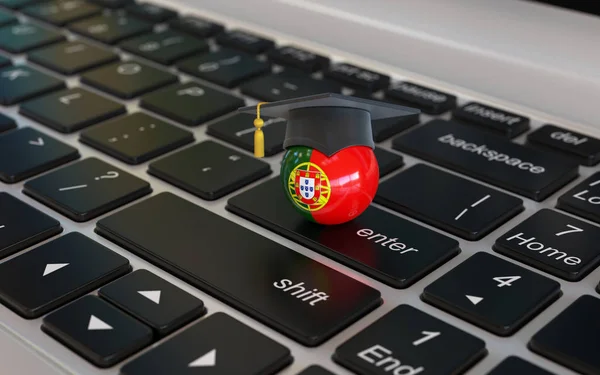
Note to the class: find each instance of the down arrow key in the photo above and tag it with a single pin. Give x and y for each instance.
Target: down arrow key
(198, 346)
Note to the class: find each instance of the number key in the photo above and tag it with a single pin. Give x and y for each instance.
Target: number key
(209, 170)
(225, 67)
(61, 12)
(128, 79)
(25, 37)
(71, 57)
(492, 293)
(111, 28)
(409, 341)
(165, 48)
(555, 243)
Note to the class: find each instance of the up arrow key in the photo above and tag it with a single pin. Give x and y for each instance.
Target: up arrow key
(53, 267)
(207, 360)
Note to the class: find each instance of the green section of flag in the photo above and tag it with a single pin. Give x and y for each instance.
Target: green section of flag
(292, 158)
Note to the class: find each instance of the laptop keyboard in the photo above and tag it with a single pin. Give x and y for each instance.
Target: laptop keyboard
(132, 210)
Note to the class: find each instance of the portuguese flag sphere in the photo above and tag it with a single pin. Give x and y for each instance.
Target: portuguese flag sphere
(330, 190)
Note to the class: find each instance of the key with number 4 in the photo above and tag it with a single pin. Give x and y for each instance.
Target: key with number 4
(555, 243)
(492, 293)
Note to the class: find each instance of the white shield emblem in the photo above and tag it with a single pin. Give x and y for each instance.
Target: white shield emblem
(307, 187)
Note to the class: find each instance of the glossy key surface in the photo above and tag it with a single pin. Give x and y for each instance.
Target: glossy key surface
(267, 281)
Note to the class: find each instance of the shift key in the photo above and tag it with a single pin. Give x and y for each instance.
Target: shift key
(490, 158)
(285, 290)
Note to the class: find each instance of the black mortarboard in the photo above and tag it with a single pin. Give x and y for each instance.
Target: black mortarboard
(329, 122)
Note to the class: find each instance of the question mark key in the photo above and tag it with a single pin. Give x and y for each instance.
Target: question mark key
(86, 189)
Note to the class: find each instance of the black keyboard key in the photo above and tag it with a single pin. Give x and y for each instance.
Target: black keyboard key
(51, 275)
(454, 204)
(571, 339)
(196, 26)
(219, 345)
(583, 148)
(21, 38)
(5, 61)
(315, 370)
(112, 4)
(20, 83)
(136, 138)
(61, 12)
(209, 170)
(488, 157)
(128, 79)
(7, 123)
(71, 110)
(265, 279)
(154, 301)
(427, 100)
(165, 48)
(151, 12)
(409, 341)
(26, 152)
(283, 86)
(496, 120)
(111, 28)
(492, 293)
(357, 77)
(245, 41)
(22, 226)
(388, 161)
(514, 365)
(86, 189)
(238, 130)
(555, 243)
(97, 331)
(71, 57)
(583, 199)
(379, 244)
(17, 4)
(191, 103)
(225, 67)
(6, 18)
(298, 58)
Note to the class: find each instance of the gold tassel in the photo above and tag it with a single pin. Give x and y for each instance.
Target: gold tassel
(259, 137)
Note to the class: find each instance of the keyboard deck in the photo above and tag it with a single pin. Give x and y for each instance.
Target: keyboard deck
(138, 233)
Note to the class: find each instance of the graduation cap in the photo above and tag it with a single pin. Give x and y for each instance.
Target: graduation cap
(325, 122)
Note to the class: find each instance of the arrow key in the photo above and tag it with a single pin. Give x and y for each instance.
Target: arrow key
(492, 293)
(97, 331)
(56, 273)
(154, 301)
(217, 345)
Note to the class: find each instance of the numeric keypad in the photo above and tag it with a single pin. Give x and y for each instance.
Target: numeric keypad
(555, 243)
(492, 293)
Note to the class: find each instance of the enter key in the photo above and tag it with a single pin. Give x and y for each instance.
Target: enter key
(379, 244)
